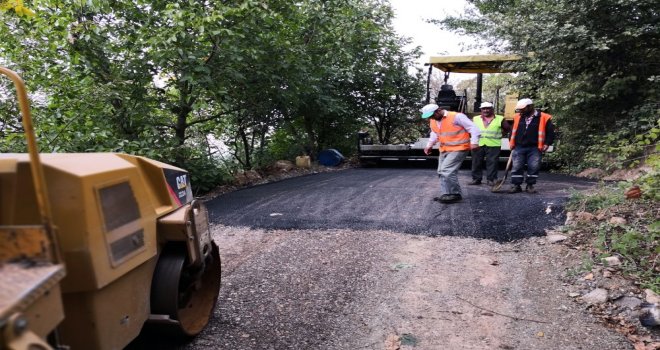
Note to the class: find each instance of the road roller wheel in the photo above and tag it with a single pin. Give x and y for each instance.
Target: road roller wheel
(185, 294)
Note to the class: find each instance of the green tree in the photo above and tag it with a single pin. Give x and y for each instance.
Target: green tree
(387, 95)
(139, 77)
(593, 64)
(162, 78)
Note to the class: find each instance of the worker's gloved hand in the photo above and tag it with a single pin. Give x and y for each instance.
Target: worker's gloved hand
(427, 150)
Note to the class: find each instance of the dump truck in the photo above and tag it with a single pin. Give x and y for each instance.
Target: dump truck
(93, 246)
(369, 152)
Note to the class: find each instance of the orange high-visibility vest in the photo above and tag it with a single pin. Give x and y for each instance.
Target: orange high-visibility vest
(452, 137)
(542, 123)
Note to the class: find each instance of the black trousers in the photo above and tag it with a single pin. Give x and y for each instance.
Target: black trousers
(490, 154)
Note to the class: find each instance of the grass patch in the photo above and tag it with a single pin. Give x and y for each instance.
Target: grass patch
(409, 339)
(603, 196)
(635, 242)
(586, 265)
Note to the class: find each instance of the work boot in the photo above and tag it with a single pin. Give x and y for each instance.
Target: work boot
(491, 182)
(442, 198)
(515, 189)
(475, 182)
(530, 188)
(450, 198)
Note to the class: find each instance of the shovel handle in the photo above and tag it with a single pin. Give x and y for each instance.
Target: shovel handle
(509, 162)
(499, 184)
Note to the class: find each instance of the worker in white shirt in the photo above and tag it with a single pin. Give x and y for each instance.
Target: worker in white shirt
(457, 136)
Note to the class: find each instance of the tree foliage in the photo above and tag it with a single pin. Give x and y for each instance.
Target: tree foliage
(163, 79)
(388, 96)
(593, 64)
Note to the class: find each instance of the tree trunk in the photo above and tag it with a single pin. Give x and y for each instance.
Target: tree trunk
(182, 110)
(247, 165)
(309, 129)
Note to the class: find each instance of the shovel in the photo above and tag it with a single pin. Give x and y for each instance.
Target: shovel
(499, 183)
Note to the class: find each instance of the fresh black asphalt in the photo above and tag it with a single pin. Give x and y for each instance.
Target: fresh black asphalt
(399, 200)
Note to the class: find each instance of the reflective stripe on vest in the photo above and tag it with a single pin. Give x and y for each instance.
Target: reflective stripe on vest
(542, 123)
(452, 137)
(491, 136)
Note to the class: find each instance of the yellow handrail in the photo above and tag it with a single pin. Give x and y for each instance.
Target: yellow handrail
(35, 162)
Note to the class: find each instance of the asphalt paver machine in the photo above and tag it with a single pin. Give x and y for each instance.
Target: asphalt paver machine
(447, 96)
(94, 246)
(472, 64)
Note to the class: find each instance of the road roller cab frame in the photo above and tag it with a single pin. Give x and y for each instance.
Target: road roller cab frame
(95, 245)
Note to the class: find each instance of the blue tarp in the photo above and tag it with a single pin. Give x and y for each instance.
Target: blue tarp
(330, 157)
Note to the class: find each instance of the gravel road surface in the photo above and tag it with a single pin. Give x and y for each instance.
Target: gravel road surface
(364, 259)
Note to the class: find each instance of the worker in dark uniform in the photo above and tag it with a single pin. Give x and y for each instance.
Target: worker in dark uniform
(532, 135)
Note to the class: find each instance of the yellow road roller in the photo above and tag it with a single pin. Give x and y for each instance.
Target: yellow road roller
(93, 246)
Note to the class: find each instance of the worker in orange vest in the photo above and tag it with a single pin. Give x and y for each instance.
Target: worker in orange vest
(457, 136)
(532, 134)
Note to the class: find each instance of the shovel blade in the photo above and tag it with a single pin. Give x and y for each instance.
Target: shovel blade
(497, 186)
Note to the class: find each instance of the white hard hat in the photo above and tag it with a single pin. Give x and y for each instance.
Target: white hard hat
(486, 105)
(428, 110)
(524, 103)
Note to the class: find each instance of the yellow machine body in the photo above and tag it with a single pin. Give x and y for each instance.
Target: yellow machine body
(105, 203)
(83, 237)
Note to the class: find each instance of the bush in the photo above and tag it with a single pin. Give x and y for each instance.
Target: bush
(637, 243)
(633, 142)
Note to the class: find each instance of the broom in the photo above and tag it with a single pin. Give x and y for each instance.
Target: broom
(499, 183)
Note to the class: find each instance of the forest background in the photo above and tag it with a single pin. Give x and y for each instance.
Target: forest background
(220, 87)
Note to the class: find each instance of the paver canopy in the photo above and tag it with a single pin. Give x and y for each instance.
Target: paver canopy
(473, 63)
